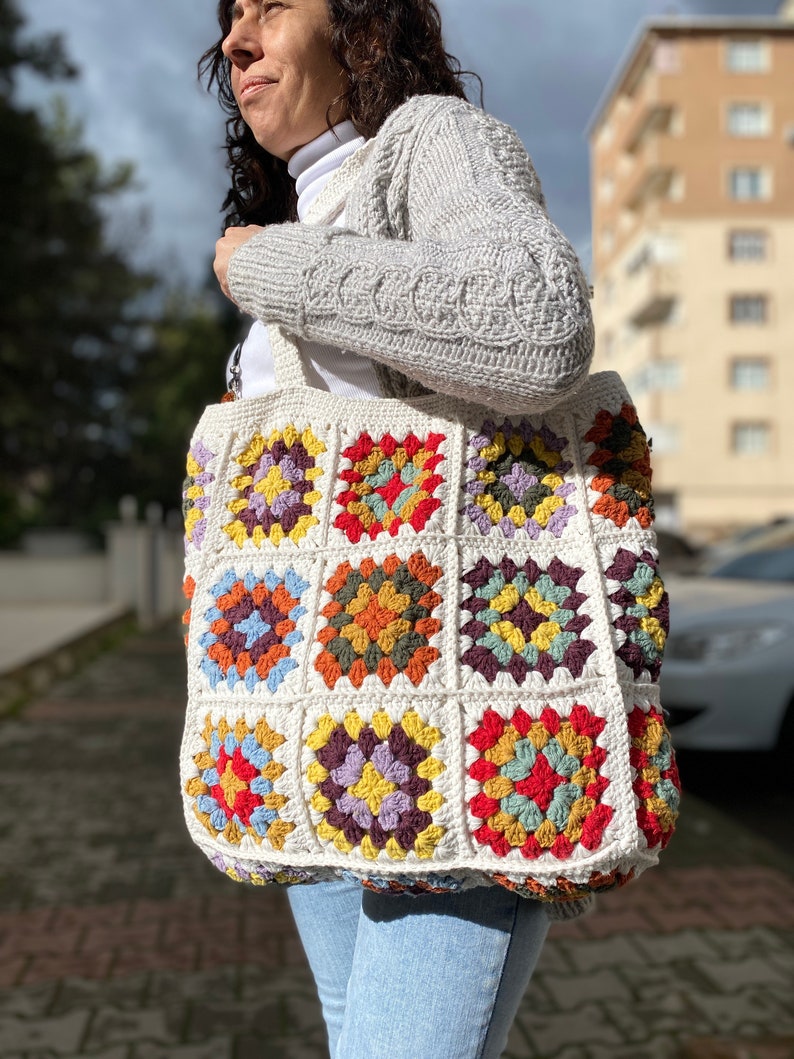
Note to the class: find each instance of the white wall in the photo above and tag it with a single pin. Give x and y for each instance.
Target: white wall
(141, 569)
(57, 579)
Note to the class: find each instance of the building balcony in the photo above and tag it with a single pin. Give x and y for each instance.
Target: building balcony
(651, 182)
(649, 298)
(655, 309)
(653, 118)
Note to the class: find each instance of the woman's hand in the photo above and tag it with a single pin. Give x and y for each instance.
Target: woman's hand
(231, 239)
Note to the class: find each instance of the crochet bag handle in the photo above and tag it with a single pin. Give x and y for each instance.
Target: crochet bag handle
(287, 360)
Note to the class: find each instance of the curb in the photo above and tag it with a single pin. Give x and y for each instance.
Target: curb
(19, 684)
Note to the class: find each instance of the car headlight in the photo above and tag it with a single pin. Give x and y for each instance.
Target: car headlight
(719, 644)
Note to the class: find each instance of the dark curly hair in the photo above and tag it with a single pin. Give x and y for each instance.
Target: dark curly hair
(389, 49)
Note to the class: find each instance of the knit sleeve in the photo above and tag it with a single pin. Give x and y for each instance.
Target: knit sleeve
(480, 296)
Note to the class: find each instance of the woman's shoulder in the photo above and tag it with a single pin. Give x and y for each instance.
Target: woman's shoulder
(431, 139)
(427, 127)
(428, 122)
(418, 113)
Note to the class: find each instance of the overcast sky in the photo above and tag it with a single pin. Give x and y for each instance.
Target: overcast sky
(544, 63)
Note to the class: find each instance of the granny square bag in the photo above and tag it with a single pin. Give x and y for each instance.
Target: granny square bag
(424, 642)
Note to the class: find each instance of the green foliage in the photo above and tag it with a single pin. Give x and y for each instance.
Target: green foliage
(99, 388)
(178, 374)
(45, 55)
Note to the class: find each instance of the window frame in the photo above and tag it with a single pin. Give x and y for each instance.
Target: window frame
(667, 57)
(665, 438)
(764, 187)
(733, 110)
(745, 321)
(667, 374)
(740, 361)
(732, 48)
(764, 428)
(736, 234)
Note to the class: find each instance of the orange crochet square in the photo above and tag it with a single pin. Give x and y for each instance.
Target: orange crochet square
(380, 621)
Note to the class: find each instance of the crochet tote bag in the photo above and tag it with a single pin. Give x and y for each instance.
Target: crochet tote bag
(424, 642)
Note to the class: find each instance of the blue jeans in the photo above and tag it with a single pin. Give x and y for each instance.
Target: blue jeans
(433, 977)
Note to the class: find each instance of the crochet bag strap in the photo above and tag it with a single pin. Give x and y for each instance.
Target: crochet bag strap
(287, 359)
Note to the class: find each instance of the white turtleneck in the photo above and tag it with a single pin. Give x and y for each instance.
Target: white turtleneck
(327, 367)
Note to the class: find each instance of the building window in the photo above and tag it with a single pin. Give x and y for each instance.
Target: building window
(747, 184)
(677, 189)
(750, 373)
(664, 438)
(606, 188)
(751, 439)
(606, 135)
(607, 240)
(666, 506)
(666, 374)
(640, 259)
(747, 246)
(659, 249)
(628, 335)
(747, 56)
(656, 375)
(748, 309)
(748, 119)
(667, 57)
(625, 221)
(666, 249)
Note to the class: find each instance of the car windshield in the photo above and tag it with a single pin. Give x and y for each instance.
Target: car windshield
(774, 564)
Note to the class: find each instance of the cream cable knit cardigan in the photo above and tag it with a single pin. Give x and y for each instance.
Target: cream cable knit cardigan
(448, 273)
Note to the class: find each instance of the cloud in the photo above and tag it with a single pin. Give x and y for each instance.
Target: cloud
(544, 67)
(139, 100)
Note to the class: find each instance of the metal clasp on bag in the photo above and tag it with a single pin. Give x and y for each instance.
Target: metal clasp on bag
(235, 391)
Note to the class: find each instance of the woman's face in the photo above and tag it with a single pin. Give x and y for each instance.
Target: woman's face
(283, 75)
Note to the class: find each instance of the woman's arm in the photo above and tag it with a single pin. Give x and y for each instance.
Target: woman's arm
(482, 298)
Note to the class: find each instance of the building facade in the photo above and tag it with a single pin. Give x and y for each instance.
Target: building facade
(692, 153)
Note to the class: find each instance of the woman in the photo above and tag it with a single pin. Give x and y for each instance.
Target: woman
(441, 272)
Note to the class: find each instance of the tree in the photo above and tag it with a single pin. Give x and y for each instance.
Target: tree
(179, 372)
(76, 327)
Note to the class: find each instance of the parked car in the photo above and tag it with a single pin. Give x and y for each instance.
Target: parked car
(728, 675)
(777, 533)
(677, 555)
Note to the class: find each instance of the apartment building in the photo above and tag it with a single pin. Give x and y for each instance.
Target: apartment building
(692, 152)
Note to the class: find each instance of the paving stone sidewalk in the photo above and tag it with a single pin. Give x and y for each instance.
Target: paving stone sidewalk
(119, 941)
